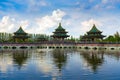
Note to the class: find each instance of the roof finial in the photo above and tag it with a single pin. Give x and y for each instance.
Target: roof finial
(20, 26)
(60, 24)
(93, 24)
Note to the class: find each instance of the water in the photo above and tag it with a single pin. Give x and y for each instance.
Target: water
(59, 64)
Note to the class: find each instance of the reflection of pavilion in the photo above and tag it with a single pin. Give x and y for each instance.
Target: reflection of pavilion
(20, 57)
(59, 58)
(93, 59)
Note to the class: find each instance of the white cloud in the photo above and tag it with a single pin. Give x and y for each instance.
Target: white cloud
(48, 21)
(10, 25)
(6, 24)
(37, 25)
(24, 23)
(76, 23)
(87, 25)
(77, 27)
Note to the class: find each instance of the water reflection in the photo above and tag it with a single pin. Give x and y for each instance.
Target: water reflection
(43, 60)
(5, 61)
(57, 64)
(59, 58)
(113, 54)
(20, 57)
(93, 59)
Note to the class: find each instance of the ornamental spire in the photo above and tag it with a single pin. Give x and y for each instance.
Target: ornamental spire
(60, 24)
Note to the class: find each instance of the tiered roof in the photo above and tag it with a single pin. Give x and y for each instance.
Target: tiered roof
(60, 28)
(93, 34)
(60, 32)
(94, 30)
(20, 31)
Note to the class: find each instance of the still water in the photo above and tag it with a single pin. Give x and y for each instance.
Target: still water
(59, 64)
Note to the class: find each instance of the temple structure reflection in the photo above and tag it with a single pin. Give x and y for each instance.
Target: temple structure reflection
(93, 59)
(20, 57)
(59, 58)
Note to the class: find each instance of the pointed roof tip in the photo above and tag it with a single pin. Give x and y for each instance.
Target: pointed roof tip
(93, 24)
(20, 30)
(94, 29)
(59, 27)
(60, 24)
(20, 26)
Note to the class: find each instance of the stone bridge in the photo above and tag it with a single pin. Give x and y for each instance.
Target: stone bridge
(105, 46)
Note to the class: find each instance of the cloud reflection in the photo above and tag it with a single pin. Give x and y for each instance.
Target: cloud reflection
(5, 62)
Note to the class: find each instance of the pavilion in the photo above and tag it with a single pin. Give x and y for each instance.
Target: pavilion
(60, 33)
(20, 35)
(93, 35)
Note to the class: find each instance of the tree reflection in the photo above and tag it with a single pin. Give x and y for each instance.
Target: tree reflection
(113, 54)
(59, 58)
(93, 59)
(20, 57)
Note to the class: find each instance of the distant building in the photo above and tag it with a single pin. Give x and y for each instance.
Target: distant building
(60, 33)
(93, 35)
(42, 38)
(20, 35)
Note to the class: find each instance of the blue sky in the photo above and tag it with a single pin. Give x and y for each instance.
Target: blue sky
(76, 16)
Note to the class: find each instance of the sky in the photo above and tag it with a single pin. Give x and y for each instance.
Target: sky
(76, 16)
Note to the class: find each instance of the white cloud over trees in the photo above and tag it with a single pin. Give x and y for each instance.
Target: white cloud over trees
(36, 25)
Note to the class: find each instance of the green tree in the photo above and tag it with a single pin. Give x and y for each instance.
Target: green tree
(117, 37)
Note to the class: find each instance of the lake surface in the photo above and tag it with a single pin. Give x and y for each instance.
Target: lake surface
(59, 64)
